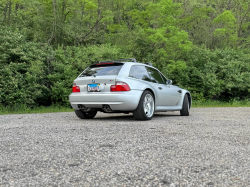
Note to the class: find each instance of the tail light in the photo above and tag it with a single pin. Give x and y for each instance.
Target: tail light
(75, 88)
(120, 87)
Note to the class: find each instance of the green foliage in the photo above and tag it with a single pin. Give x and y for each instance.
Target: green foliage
(23, 109)
(160, 29)
(33, 74)
(226, 18)
(217, 74)
(44, 45)
(228, 32)
(231, 103)
(23, 70)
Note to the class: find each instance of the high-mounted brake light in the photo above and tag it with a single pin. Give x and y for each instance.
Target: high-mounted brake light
(104, 63)
(75, 88)
(120, 87)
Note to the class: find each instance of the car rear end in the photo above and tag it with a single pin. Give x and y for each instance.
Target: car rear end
(101, 88)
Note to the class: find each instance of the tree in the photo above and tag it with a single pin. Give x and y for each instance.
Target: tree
(227, 34)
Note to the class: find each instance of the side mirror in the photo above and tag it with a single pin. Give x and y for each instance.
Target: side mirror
(169, 82)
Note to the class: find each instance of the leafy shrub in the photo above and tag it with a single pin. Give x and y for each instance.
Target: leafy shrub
(214, 74)
(22, 71)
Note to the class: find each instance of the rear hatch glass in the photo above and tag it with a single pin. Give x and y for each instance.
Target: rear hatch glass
(98, 77)
(102, 69)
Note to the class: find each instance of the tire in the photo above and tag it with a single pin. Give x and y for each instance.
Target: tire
(85, 115)
(185, 107)
(146, 107)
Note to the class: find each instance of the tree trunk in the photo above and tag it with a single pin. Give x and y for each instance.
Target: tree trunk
(83, 6)
(54, 13)
(16, 9)
(63, 7)
(5, 13)
(97, 28)
(9, 12)
(104, 31)
(241, 21)
(53, 35)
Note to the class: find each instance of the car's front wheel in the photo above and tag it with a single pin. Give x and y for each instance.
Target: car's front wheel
(85, 115)
(146, 107)
(185, 107)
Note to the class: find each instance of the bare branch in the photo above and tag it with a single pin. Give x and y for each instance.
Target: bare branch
(66, 15)
(91, 30)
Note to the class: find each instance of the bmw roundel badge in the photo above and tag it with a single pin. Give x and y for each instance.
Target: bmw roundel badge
(93, 81)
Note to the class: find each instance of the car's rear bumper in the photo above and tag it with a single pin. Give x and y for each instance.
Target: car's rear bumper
(118, 101)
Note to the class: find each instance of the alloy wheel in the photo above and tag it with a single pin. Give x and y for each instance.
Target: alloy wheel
(148, 105)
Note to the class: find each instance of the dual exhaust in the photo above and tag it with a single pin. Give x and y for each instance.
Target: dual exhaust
(105, 108)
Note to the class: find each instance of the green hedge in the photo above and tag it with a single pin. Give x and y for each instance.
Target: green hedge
(218, 74)
(23, 70)
(33, 74)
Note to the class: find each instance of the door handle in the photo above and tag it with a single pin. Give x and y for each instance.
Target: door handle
(179, 91)
(160, 88)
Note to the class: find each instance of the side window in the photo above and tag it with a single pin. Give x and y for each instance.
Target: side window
(139, 72)
(164, 79)
(155, 76)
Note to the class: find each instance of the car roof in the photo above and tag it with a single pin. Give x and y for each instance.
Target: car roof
(140, 63)
(129, 60)
(131, 63)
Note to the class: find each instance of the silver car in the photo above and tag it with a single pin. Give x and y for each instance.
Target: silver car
(124, 86)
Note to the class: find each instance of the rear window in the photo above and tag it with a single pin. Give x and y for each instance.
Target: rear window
(102, 69)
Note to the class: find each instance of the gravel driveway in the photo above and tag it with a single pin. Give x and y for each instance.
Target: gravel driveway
(211, 147)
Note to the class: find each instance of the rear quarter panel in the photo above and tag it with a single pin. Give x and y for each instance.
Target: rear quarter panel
(136, 84)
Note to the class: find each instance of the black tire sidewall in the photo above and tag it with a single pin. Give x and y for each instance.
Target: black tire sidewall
(139, 112)
(89, 115)
(85, 115)
(185, 106)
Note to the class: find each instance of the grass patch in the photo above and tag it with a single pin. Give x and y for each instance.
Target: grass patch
(41, 109)
(209, 103)
(53, 109)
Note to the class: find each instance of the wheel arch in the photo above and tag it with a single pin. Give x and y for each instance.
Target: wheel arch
(140, 113)
(148, 89)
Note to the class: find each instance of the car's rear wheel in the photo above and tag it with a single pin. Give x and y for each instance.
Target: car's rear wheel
(85, 115)
(185, 107)
(146, 107)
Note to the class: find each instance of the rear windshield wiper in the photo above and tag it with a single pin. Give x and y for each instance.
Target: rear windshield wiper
(87, 75)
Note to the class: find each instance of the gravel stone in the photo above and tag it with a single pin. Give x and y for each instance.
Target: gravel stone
(211, 147)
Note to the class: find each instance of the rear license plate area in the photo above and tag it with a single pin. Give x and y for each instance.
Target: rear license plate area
(93, 87)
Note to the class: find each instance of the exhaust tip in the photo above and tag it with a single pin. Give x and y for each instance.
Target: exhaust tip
(106, 108)
(82, 107)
